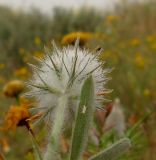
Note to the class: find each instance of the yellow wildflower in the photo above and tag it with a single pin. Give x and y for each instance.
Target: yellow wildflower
(38, 54)
(37, 40)
(122, 45)
(139, 60)
(150, 38)
(16, 116)
(21, 72)
(13, 88)
(153, 46)
(2, 66)
(19, 115)
(135, 42)
(71, 38)
(106, 55)
(112, 18)
(146, 92)
(25, 59)
(21, 51)
(2, 79)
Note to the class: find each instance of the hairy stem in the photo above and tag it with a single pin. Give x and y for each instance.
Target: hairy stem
(56, 129)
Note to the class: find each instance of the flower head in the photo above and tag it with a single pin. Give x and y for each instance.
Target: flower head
(1, 157)
(38, 54)
(63, 73)
(70, 38)
(139, 60)
(112, 18)
(135, 42)
(37, 40)
(13, 88)
(2, 65)
(16, 116)
(21, 72)
(21, 51)
(4, 145)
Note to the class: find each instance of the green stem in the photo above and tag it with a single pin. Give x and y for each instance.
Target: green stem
(36, 148)
(17, 99)
(56, 129)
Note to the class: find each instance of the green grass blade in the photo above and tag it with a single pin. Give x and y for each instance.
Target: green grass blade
(83, 119)
(131, 132)
(37, 153)
(114, 151)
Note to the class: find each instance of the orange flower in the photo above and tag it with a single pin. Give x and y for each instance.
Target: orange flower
(17, 116)
(1, 157)
(5, 145)
(13, 88)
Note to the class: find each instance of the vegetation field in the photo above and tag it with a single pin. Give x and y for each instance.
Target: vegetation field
(128, 38)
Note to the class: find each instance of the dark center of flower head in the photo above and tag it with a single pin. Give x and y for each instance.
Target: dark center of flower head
(23, 122)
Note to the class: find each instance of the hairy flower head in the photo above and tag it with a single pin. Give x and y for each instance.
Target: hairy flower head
(63, 71)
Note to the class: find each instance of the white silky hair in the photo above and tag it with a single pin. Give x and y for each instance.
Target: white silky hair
(63, 71)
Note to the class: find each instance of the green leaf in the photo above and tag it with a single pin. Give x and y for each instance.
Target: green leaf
(83, 119)
(114, 151)
(130, 133)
